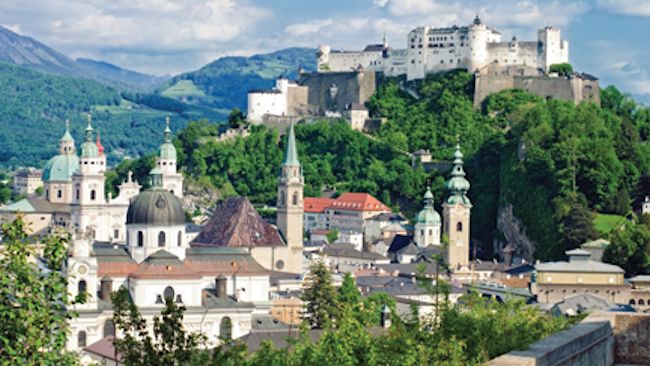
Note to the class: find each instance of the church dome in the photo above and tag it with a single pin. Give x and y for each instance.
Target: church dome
(168, 151)
(155, 207)
(428, 216)
(60, 168)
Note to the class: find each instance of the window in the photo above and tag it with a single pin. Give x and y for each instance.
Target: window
(109, 328)
(180, 239)
(225, 328)
(430, 232)
(422, 232)
(92, 195)
(279, 264)
(116, 233)
(295, 199)
(77, 193)
(282, 199)
(179, 299)
(459, 226)
(632, 302)
(59, 194)
(81, 287)
(140, 238)
(168, 293)
(641, 302)
(161, 239)
(81, 339)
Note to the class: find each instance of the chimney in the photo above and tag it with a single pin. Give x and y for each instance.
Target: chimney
(220, 286)
(106, 287)
(385, 317)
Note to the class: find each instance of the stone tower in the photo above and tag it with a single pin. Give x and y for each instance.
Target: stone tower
(427, 223)
(166, 162)
(456, 213)
(290, 199)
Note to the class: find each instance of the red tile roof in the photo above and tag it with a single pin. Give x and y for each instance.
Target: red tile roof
(164, 265)
(317, 204)
(116, 269)
(104, 348)
(346, 201)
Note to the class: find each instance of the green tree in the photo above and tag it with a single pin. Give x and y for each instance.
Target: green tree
(237, 119)
(563, 69)
(629, 248)
(348, 294)
(170, 345)
(332, 236)
(578, 227)
(34, 302)
(319, 298)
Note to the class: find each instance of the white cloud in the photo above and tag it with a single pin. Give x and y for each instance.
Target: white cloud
(312, 26)
(626, 7)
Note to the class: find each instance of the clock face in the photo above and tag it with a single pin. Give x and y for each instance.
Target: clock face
(82, 269)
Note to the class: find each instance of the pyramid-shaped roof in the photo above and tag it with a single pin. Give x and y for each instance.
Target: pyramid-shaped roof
(236, 223)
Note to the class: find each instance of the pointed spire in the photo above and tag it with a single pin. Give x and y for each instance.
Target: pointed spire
(98, 142)
(66, 135)
(428, 198)
(291, 157)
(458, 185)
(89, 129)
(168, 131)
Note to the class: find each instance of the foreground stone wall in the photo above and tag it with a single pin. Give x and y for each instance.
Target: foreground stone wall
(602, 339)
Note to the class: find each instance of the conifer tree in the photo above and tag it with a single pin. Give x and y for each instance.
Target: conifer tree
(319, 298)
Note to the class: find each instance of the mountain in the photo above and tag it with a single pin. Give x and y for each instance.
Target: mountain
(225, 82)
(112, 74)
(28, 52)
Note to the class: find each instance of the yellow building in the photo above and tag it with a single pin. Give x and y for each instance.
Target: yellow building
(555, 281)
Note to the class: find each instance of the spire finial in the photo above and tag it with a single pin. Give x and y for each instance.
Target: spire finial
(67, 125)
(130, 176)
(89, 128)
(168, 132)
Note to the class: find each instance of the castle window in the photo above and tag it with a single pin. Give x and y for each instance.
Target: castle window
(459, 226)
(93, 195)
(140, 238)
(161, 239)
(77, 193)
(225, 328)
(168, 293)
(109, 328)
(81, 339)
(180, 238)
(81, 287)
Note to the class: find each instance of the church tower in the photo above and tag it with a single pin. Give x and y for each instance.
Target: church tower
(290, 199)
(88, 197)
(456, 212)
(166, 162)
(57, 175)
(427, 223)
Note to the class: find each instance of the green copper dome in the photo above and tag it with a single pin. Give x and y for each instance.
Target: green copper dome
(60, 168)
(291, 157)
(89, 148)
(458, 185)
(428, 215)
(167, 149)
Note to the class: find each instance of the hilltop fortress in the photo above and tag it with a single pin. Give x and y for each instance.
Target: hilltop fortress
(345, 80)
(428, 50)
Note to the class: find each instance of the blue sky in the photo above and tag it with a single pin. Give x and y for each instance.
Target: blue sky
(608, 38)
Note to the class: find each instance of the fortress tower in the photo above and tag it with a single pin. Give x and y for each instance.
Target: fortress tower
(456, 213)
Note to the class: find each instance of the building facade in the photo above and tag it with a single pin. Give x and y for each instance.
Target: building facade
(430, 50)
(286, 99)
(27, 181)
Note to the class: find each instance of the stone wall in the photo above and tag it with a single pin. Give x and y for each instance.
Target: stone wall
(333, 91)
(602, 339)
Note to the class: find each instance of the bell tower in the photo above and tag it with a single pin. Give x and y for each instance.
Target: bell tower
(456, 213)
(166, 162)
(290, 196)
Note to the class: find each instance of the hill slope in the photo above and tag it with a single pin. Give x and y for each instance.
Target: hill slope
(224, 83)
(28, 52)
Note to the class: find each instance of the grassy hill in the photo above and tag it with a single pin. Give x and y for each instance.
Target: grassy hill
(34, 106)
(223, 84)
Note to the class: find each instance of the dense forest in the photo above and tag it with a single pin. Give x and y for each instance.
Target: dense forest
(555, 165)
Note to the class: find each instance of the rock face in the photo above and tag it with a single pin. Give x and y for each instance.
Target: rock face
(514, 232)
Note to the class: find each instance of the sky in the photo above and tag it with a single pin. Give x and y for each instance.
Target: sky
(608, 38)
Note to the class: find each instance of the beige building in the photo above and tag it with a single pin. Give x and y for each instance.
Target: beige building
(456, 211)
(350, 211)
(26, 181)
(555, 281)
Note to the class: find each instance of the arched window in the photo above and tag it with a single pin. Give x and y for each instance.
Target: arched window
(641, 302)
(81, 287)
(59, 193)
(161, 239)
(93, 195)
(140, 238)
(225, 328)
(77, 193)
(180, 239)
(459, 226)
(109, 328)
(282, 199)
(81, 339)
(168, 293)
(632, 302)
(294, 200)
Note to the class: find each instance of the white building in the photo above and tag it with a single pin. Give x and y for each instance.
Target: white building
(27, 181)
(283, 100)
(471, 47)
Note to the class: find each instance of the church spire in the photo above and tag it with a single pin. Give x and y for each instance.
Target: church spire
(89, 129)
(291, 157)
(458, 185)
(66, 135)
(89, 148)
(168, 132)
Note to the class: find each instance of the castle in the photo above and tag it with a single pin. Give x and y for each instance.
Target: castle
(430, 50)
